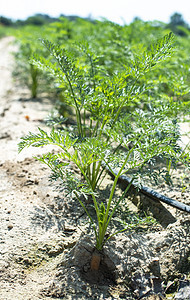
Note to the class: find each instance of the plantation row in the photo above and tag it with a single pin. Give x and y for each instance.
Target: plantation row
(124, 87)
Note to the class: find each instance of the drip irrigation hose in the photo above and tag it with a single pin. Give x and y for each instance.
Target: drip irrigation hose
(151, 193)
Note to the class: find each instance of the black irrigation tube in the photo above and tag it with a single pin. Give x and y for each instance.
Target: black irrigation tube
(151, 193)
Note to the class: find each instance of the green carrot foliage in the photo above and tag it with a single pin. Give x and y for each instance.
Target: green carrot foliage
(108, 119)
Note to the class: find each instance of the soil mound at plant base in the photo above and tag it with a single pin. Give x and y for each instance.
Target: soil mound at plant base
(105, 275)
(132, 265)
(75, 277)
(82, 255)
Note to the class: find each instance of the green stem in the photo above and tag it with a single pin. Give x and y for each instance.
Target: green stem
(78, 115)
(98, 173)
(102, 232)
(90, 127)
(88, 214)
(106, 219)
(94, 133)
(34, 85)
(94, 176)
(93, 72)
(115, 182)
(84, 122)
(122, 104)
(120, 199)
(89, 184)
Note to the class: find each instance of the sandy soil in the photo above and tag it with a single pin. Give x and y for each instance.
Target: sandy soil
(45, 240)
(24, 186)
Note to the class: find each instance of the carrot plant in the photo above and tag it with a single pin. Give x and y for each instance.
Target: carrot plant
(25, 73)
(105, 124)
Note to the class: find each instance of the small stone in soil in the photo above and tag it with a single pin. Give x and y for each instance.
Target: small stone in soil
(10, 226)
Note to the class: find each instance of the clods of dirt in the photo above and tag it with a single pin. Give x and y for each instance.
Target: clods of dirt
(135, 265)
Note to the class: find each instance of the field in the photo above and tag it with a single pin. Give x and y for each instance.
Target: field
(46, 239)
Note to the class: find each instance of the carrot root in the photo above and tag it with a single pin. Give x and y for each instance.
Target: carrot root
(95, 261)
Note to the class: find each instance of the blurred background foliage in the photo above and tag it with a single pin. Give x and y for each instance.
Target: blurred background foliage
(116, 46)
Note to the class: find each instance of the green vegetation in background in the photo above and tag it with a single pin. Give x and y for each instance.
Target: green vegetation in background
(36, 20)
(116, 47)
(25, 73)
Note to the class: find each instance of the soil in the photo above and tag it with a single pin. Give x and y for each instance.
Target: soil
(46, 243)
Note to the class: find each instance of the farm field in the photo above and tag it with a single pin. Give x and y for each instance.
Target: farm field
(46, 240)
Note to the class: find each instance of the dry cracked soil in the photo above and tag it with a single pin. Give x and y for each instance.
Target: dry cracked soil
(45, 240)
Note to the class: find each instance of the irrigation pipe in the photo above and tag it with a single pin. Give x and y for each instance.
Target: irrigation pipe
(151, 193)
